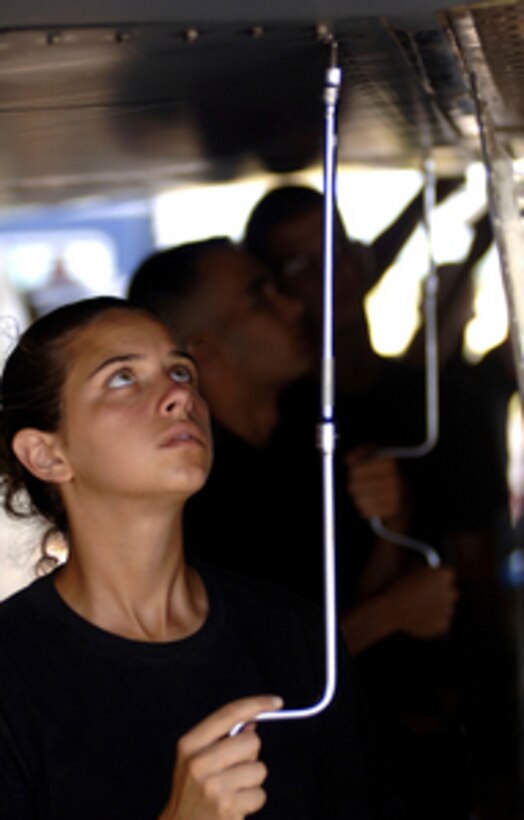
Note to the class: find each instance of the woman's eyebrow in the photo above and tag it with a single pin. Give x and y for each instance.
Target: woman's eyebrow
(182, 354)
(118, 359)
(123, 358)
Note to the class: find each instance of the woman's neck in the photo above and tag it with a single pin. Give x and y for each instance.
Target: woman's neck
(130, 577)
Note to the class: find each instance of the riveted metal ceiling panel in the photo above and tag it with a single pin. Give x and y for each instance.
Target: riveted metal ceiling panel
(141, 105)
(88, 109)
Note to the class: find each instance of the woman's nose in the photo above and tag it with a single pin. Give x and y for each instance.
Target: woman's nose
(177, 396)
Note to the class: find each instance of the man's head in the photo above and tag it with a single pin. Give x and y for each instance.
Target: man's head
(226, 312)
(285, 231)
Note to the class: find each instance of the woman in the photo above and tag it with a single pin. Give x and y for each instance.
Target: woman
(123, 671)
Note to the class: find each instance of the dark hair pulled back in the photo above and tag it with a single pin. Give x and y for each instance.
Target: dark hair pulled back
(31, 396)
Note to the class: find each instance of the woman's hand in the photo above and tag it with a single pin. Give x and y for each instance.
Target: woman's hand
(219, 777)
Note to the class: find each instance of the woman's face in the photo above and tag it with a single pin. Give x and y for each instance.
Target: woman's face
(133, 422)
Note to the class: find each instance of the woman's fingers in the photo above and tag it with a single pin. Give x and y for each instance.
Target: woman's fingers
(238, 789)
(224, 754)
(220, 723)
(218, 774)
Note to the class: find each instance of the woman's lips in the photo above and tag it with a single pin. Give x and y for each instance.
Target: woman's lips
(182, 434)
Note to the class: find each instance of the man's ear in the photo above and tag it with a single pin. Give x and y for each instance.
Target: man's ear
(41, 455)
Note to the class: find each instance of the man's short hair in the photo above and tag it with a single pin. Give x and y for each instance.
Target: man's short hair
(278, 206)
(163, 281)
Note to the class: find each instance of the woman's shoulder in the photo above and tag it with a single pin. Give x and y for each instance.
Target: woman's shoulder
(21, 611)
(24, 596)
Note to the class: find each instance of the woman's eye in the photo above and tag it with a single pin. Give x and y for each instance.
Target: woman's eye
(122, 378)
(181, 373)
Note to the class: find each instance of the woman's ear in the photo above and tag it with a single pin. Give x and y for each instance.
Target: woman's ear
(41, 455)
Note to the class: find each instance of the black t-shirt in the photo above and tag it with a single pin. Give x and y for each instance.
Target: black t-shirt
(89, 720)
(260, 512)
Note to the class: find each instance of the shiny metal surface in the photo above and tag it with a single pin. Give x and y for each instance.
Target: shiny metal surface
(491, 43)
(114, 98)
(326, 437)
(140, 104)
(432, 419)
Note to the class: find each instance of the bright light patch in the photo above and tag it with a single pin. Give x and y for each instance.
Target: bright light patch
(84, 256)
(29, 264)
(202, 211)
(369, 200)
(92, 262)
(489, 327)
(515, 442)
(392, 312)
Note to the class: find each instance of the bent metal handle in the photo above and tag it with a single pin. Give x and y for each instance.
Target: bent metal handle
(326, 428)
(429, 554)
